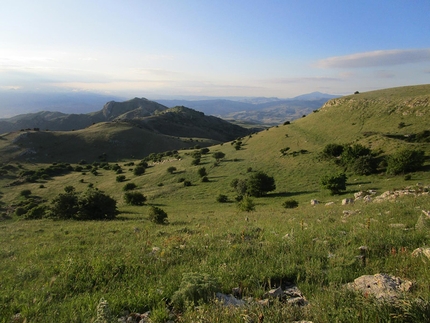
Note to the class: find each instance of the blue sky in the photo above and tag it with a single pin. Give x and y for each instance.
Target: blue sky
(162, 48)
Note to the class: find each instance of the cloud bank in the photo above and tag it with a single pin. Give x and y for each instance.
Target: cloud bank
(377, 58)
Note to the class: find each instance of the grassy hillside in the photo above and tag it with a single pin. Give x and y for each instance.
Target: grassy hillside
(59, 270)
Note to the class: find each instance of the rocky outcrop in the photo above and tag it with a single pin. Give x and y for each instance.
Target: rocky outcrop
(381, 286)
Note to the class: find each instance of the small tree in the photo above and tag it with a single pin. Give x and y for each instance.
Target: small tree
(134, 198)
(139, 170)
(157, 215)
(218, 155)
(195, 162)
(259, 184)
(334, 183)
(405, 161)
(65, 205)
(95, 205)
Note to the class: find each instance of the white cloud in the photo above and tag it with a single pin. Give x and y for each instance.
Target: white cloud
(377, 58)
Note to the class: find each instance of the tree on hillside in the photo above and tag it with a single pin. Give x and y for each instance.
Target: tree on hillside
(405, 161)
(218, 155)
(334, 183)
(171, 169)
(202, 172)
(259, 183)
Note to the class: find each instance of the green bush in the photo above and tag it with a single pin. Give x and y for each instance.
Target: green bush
(120, 178)
(187, 183)
(218, 155)
(139, 170)
(25, 193)
(134, 198)
(129, 187)
(95, 205)
(195, 162)
(205, 179)
(222, 198)
(246, 204)
(364, 165)
(334, 183)
(171, 169)
(157, 215)
(259, 183)
(290, 204)
(405, 161)
(194, 289)
(332, 150)
(37, 212)
(202, 172)
(90, 205)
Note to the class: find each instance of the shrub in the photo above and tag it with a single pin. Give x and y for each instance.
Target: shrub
(290, 204)
(194, 289)
(65, 205)
(202, 172)
(134, 198)
(405, 161)
(218, 155)
(364, 165)
(222, 198)
(129, 187)
(332, 150)
(139, 170)
(195, 162)
(334, 183)
(120, 178)
(259, 184)
(37, 212)
(204, 151)
(20, 211)
(171, 169)
(187, 183)
(95, 205)
(246, 204)
(25, 193)
(157, 215)
(205, 179)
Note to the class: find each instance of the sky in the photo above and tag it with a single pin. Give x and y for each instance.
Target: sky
(173, 48)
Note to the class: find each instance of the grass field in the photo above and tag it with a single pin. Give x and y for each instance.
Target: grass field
(57, 271)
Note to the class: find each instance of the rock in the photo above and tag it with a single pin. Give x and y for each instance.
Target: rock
(350, 212)
(229, 300)
(329, 203)
(314, 202)
(421, 252)
(381, 286)
(347, 201)
(275, 292)
(359, 194)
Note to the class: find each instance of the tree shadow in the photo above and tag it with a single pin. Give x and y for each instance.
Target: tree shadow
(290, 194)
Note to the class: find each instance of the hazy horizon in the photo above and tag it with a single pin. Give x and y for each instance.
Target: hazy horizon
(168, 48)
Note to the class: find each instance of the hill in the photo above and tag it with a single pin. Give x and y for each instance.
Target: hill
(134, 129)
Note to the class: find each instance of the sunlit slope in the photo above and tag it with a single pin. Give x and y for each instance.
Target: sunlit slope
(117, 140)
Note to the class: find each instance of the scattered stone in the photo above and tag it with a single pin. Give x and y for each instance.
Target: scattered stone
(314, 202)
(229, 300)
(421, 252)
(275, 292)
(423, 222)
(381, 286)
(350, 212)
(347, 201)
(329, 203)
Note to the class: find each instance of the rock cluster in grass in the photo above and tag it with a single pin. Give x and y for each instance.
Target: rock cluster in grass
(381, 286)
(288, 293)
(423, 251)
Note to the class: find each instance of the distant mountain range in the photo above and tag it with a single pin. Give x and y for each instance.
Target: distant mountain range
(256, 110)
(269, 111)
